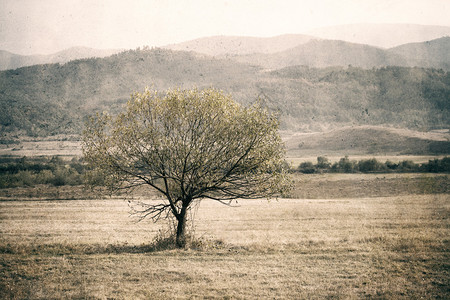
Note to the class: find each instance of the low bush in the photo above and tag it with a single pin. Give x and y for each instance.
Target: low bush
(345, 165)
(437, 166)
(20, 172)
(371, 165)
(307, 168)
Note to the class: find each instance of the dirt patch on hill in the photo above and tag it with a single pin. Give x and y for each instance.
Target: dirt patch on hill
(368, 140)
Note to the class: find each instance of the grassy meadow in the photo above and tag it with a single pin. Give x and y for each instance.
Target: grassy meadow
(342, 236)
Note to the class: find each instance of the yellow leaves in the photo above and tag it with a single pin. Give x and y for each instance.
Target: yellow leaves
(200, 141)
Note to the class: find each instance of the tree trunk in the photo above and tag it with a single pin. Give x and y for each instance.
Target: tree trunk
(181, 228)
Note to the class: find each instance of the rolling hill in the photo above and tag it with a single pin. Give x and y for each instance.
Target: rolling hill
(382, 35)
(10, 60)
(364, 140)
(291, 50)
(432, 54)
(52, 99)
(343, 96)
(376, 35)
(288, 50)
(237, 45)
(325, 53)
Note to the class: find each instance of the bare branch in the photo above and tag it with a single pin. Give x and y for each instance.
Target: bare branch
(143, 210)
(187, 145)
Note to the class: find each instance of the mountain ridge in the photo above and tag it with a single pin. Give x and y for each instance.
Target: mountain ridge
(52, 99)
(374, 35)
(325, 53)
(238, 45)
(9, 60)
(241, 48)
(315, 52)
(381, 35)
(434, 53)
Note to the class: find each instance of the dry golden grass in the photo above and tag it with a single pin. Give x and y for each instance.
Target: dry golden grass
(345, 247)
(64, 148)
(330, 186)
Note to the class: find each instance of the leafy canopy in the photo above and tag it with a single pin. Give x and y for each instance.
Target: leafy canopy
(188, 144)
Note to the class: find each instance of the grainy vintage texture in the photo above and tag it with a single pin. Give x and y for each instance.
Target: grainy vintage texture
(361, 95)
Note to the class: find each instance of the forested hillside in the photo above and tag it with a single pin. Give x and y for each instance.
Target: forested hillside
(55, 99)
(434, 53)
(413, 98)
(51, 99)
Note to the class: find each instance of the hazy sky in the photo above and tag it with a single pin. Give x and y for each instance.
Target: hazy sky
(47, 26)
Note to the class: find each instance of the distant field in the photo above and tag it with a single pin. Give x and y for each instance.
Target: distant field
(42, 148)
(345, 246)
(359, 142)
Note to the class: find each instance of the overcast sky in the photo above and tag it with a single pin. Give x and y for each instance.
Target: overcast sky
(48, 26)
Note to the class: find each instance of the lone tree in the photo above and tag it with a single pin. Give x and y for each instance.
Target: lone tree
(187, 145)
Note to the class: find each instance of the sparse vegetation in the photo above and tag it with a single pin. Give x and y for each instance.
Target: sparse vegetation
(20, 172)
(345, 165)
(54, 171)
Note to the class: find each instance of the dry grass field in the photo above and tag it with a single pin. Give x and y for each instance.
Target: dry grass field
(367, 236)
(62, 148)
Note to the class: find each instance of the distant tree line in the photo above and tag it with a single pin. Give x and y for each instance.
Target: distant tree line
(345, 165)
(20, 172)
(26, 171)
